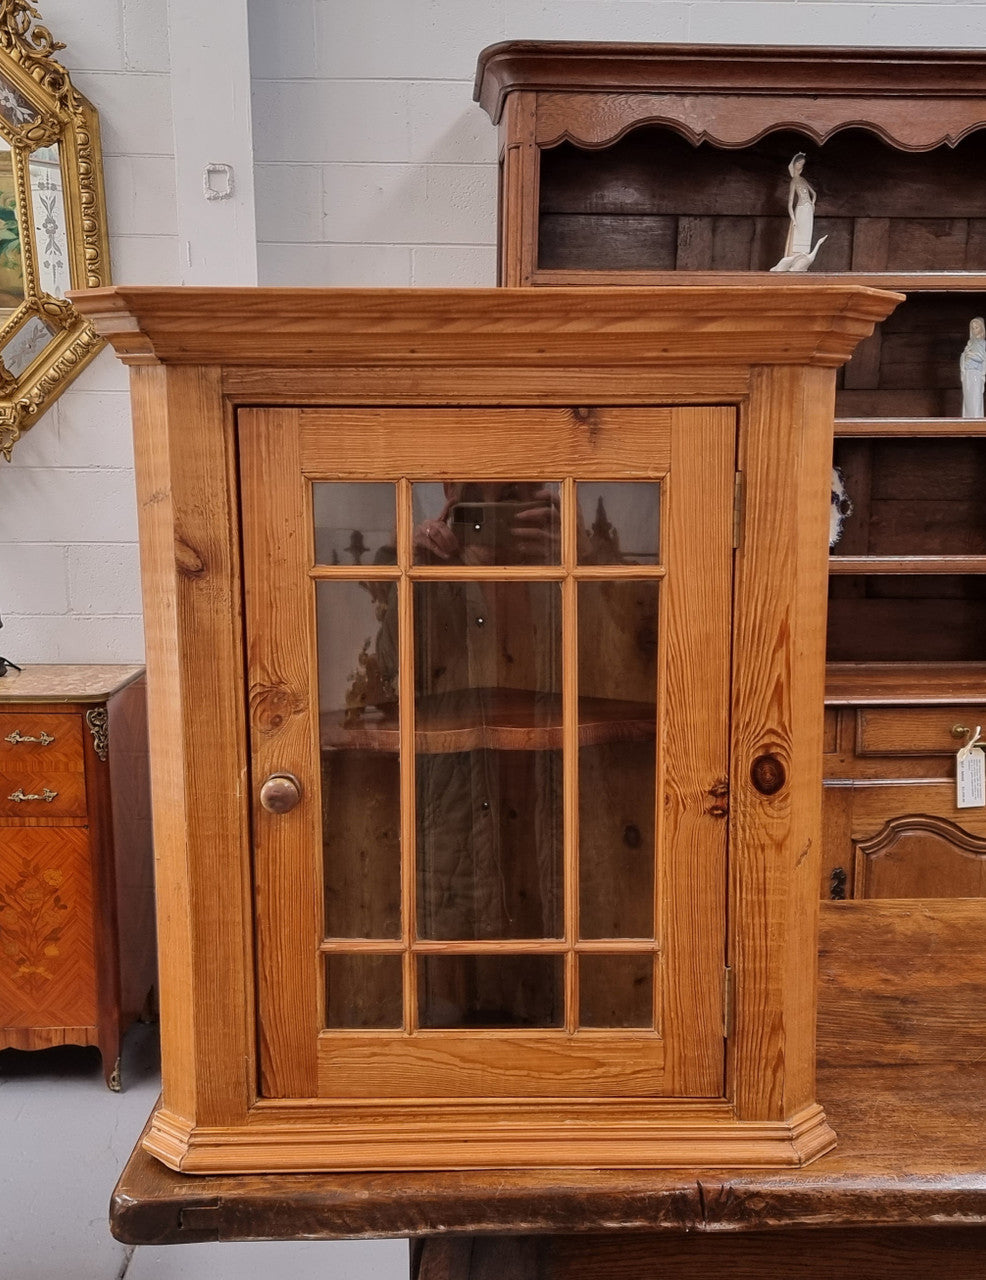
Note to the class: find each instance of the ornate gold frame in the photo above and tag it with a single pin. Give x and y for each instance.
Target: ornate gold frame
(39, 107)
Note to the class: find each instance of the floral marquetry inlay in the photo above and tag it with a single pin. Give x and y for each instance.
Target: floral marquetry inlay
(32, 922)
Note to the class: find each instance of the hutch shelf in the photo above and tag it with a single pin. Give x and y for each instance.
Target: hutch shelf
(479, 624)
(633, 165)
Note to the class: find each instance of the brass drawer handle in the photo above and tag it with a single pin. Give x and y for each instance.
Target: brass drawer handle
(960, 731)
(19, 797)
(14, 738)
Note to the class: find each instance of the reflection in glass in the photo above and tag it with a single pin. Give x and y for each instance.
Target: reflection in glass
(618, 645)
(25, 346)
(363, 992)
(616, 991)
(489, 827)
(357, 652)
(11, 256)
(488, 764)
(491, 991)
(619, 522)
(354, 523)
(487, 523)
(50, 228)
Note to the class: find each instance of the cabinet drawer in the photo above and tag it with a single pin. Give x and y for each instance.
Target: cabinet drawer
(37, 794)
(913, 731)
(40, 743)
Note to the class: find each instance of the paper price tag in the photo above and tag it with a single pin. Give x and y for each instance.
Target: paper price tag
(970, 775)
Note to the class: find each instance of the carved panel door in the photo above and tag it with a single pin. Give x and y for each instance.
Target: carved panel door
(489, 649)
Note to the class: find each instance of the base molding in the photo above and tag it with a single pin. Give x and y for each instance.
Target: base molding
(318, 1143)
(47, 1037)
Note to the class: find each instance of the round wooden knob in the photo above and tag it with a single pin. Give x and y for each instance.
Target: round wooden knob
(280, 793)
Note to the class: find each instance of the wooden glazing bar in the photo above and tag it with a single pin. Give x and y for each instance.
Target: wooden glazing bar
(486, 573)
(405, 697)
(594, 572)
(363, 946)
(906, 564)
(516, 573)
(492, 946)
(355, 573)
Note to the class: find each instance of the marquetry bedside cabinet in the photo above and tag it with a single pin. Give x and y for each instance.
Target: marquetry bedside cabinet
(76, 897)
(485, 661)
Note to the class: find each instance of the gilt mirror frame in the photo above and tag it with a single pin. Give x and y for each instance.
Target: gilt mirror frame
(52, 222)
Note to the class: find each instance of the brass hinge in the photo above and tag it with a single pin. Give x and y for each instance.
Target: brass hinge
(737, 508)
(727, 1002)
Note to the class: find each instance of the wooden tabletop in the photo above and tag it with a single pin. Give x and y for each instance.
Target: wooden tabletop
(902, 1075)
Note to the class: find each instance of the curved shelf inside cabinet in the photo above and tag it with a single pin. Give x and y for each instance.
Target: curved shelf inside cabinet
(489, 719)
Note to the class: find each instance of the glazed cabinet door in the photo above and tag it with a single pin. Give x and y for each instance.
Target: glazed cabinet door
(488, 681)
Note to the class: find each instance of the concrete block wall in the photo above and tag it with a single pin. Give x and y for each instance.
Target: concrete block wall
(372, 166)
(69, 579)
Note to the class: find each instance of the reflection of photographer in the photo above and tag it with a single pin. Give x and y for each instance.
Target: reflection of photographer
(492, 523)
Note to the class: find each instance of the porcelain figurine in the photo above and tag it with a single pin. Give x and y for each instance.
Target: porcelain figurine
(972, 366)
(798, 251)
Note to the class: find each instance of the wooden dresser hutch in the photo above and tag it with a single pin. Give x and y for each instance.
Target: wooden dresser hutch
(649, 164)
(479, 622)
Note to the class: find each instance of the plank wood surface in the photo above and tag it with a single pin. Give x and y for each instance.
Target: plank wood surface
(902, 1075)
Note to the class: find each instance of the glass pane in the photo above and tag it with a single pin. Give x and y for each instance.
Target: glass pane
(487, 523)
(25, 346)
(619, 522)
(11, 261)
(50, 229)
(488, 764)
(618, 642)
(616, 991)
(14, 107)
(354, 523)
(363, 991)
(491, 991)
(490, 845)
(357, 654)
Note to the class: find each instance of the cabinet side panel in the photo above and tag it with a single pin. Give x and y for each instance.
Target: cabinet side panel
(189, 559)
(132, 846)
(777, 721)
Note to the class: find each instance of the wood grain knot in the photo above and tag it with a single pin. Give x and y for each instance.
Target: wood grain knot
(187, 561)
(768, 775)
(272, 708)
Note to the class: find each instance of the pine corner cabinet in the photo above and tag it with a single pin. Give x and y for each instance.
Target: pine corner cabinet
(485, 658)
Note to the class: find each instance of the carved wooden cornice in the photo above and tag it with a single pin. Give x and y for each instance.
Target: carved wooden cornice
(693, 89)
